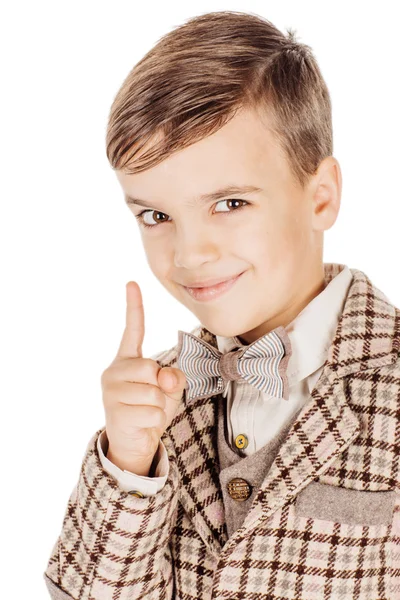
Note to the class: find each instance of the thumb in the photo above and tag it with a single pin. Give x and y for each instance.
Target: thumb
(172, 381)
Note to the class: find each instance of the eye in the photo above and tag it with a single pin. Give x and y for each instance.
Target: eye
(141, 215)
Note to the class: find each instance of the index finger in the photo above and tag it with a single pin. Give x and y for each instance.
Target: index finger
(132, 338)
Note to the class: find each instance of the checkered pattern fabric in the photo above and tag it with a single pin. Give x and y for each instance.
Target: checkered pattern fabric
(324, 525)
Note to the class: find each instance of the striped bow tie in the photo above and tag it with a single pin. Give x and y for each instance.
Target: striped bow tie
(262, 363)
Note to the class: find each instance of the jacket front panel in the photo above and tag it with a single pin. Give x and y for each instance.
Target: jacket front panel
(305, 536)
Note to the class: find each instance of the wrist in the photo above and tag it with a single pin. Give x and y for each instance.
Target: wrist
(136, 466)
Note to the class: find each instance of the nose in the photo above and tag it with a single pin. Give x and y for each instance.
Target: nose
(194, 247)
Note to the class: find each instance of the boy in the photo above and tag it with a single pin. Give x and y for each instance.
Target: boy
(270, 469)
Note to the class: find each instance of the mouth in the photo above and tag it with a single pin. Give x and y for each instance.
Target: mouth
(214, 291)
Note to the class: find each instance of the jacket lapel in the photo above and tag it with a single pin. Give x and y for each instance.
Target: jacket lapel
(365, 338)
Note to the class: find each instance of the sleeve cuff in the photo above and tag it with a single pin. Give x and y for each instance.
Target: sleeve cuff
(128, 481)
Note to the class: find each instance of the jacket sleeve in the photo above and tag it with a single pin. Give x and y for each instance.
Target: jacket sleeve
(129, 481)
(113, 543)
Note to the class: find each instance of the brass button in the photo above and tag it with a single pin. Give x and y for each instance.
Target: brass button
(136, 493)
(239, 489)
(241, 441)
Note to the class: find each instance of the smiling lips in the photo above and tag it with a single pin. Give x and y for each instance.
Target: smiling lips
(213, 291)
(210, 282)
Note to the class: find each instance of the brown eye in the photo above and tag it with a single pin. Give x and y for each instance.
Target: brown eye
(159, 213)
(140, 218)
(231, 200)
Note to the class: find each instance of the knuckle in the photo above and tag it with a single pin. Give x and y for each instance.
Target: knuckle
(156, 396)
(108, 375)
(159, 416)
(150, 369)
(152, 416)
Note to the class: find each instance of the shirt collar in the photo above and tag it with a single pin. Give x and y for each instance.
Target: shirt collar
(311, 332)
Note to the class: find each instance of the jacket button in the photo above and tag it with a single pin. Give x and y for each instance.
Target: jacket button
(136, 493)
(241, 441)
(239, 489)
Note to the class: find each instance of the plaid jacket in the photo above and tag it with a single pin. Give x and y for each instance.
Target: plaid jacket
(325, 523)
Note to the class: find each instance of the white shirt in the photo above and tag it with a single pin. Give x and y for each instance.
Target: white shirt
(252, 412)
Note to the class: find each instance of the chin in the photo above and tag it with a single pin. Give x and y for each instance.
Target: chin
(223, 331)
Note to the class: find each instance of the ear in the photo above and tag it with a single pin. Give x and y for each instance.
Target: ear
(326, 194)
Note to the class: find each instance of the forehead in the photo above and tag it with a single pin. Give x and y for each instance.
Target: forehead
(244, 151)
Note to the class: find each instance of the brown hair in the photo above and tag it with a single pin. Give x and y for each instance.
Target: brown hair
(197, 76)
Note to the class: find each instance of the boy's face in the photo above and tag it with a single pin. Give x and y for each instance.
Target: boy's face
(275, 238)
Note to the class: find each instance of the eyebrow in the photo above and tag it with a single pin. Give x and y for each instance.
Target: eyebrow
(221, 193)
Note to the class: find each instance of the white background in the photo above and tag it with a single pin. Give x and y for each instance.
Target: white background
(69, 244)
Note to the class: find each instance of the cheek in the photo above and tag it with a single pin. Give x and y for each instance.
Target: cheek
(160, 267)
(288, 235)
(157, 259)
(261, 242)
